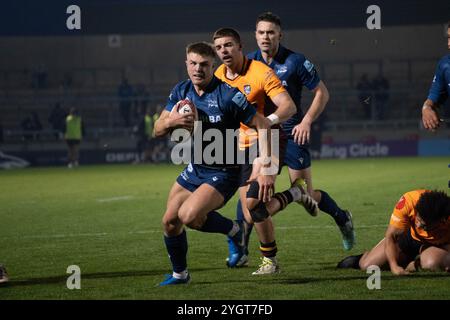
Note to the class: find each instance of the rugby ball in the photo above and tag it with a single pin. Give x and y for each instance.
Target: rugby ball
(185, 107)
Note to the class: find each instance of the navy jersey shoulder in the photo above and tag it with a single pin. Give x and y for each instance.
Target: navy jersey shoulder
(294, 71)
(440, 87)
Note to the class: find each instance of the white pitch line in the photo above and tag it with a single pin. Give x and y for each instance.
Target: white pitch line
(102, 234)
(116, 199)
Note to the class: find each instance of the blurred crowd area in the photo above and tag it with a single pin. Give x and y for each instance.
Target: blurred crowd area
(114, 100)
(114, 81)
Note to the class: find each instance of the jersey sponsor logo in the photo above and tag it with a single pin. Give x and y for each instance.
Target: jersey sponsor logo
(189, 167)
(184, 176)
(284, 83)
(247, 89)
(301, 160)
(212, 104)
(434, 79)
(239, 100)
(308, 65)
(215, 119)
(280, 68)
(215, 178)
(401, 203)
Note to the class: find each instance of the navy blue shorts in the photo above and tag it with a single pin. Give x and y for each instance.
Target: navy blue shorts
(224, 180)
(297, 157)
(409, 246)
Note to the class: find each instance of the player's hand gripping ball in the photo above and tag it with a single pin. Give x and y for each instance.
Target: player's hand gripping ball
(186, 107)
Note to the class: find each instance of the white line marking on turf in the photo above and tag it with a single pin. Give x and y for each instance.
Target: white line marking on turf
(116, 199)
(102, 234)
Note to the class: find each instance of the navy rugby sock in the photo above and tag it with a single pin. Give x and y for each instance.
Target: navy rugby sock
(239, 212)
(240, 218)
(216, 223)
(328, 205)
(177, 248)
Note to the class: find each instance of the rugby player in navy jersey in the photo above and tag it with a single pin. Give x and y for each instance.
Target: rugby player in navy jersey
(204, 187)
(295, 71)
(439, 91)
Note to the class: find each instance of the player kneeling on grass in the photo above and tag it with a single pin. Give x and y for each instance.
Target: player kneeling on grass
(418, 236)
(204, 187)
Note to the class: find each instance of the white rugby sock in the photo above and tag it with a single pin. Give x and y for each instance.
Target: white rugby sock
(296, 193)
(181, 275)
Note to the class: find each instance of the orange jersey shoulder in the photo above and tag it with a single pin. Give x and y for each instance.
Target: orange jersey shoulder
(258, 82)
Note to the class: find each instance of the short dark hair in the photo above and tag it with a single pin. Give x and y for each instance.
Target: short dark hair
(227, 32)
(269, 17)
(433, 206)
(202, 48)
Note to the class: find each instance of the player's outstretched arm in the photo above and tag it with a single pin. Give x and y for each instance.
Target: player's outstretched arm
(430, 116)
(171, 120)
(302, 131)
(393, 251)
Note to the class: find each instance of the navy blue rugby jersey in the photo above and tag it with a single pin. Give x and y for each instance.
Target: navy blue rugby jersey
(440, 87)
(221, 107)
(294, 71)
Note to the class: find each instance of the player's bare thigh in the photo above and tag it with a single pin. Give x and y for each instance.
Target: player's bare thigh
(195, 208)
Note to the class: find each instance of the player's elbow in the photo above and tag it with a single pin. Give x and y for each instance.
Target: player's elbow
(324, 95)
(189, 216)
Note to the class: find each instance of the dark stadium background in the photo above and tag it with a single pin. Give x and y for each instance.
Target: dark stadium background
(144, 41)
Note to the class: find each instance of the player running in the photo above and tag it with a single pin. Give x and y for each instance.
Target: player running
(203, 188)
(295, 71)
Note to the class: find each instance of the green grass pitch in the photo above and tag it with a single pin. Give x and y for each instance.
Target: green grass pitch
(107, 221)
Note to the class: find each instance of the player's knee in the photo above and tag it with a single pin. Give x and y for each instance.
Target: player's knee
(253, 191)
(170, 224)
(251, 204)
(186, 214)
(259, 213)
(365, 262)
(430, 263)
